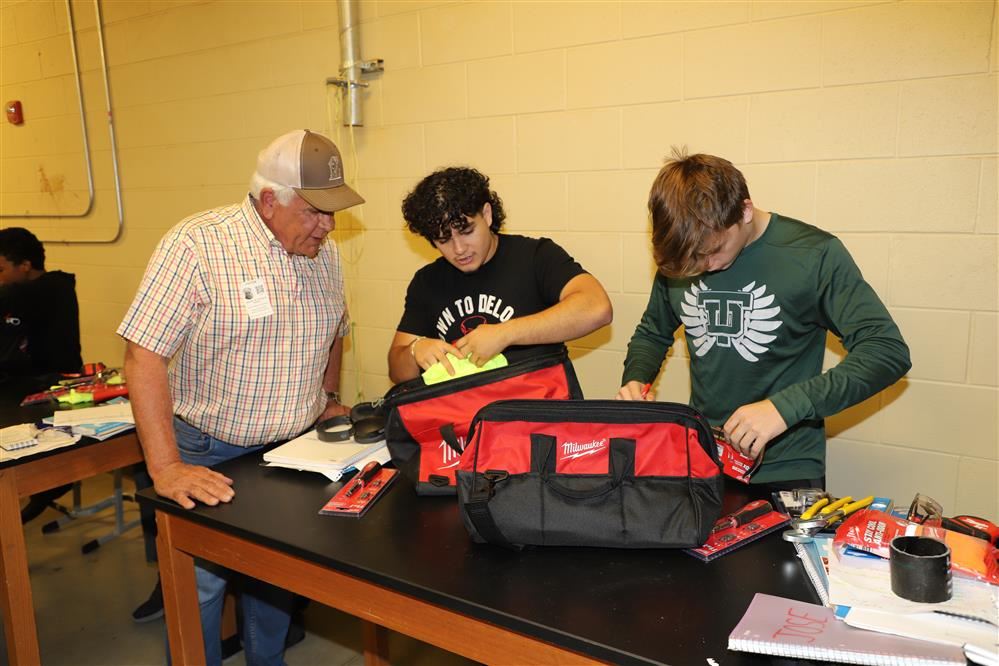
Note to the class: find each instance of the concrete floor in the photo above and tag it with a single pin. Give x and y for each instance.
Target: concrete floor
(83, 603)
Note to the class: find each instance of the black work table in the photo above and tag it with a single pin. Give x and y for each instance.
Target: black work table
(408, 565)
(28, 475)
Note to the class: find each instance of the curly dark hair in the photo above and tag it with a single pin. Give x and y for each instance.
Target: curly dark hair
(443, 201)
(18, 245)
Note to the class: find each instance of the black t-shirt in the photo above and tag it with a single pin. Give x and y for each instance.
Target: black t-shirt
(40, 326)
(524, 276)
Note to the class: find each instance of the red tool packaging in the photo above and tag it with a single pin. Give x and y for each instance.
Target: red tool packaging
(735, 530)
(358, 494)
(734, 464)
(873, 531)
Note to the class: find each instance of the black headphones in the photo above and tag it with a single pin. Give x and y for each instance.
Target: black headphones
(366, 424)
(333, 430)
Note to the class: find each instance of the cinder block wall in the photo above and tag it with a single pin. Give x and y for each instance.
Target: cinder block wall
(874, 120)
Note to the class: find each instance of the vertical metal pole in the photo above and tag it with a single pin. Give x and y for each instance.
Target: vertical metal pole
(350, 66)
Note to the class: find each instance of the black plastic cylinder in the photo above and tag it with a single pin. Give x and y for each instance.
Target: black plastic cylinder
(920, 569)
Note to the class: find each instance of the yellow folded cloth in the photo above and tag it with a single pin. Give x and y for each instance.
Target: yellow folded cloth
(437, 373)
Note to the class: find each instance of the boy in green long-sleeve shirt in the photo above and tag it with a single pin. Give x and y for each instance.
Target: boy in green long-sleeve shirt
(756, 293)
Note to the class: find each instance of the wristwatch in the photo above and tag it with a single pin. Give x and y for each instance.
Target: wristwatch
(334, 396)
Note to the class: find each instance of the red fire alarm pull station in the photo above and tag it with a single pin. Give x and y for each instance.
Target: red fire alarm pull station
(15, 115)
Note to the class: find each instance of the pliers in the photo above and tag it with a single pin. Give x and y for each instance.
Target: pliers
(821, 515)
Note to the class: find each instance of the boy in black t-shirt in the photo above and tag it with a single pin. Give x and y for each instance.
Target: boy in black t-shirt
(488, 293)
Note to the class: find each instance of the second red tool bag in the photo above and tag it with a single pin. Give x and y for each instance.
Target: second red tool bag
(427, 425)
(590, 473)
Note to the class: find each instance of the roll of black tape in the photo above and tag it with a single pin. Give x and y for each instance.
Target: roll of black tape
(920, 569)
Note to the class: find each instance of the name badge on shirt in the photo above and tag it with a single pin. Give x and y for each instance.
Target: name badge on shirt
(256, 299)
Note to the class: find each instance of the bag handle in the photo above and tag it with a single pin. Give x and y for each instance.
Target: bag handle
(621, 463)
(451, 438)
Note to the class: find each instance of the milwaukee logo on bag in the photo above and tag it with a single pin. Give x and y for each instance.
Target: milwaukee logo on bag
(590, 473)
(428, 425)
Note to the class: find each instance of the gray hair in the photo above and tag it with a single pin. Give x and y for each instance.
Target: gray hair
(283, 193)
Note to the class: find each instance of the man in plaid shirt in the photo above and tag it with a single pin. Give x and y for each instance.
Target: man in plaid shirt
(234, 341)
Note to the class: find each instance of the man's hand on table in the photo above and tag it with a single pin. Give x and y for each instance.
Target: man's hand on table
(185, 483)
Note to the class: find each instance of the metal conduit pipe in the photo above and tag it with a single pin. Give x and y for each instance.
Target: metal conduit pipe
(351, 65)
(350, 55)
(86, 142)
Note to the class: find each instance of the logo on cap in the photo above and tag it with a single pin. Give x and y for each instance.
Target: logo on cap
(336, 168)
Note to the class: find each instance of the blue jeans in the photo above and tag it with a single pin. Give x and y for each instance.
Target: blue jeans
(266, 609)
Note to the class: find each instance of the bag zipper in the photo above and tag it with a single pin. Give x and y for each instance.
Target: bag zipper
(593, 411)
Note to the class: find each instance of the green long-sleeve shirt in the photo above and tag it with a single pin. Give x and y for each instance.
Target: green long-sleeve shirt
(757, 330)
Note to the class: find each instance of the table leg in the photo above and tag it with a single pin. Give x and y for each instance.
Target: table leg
(16, 604)
(180, 597)
(375, 644)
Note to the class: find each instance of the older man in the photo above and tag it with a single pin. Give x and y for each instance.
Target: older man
(248, 302)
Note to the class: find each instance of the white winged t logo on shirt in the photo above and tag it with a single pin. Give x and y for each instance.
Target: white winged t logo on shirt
(739, 319)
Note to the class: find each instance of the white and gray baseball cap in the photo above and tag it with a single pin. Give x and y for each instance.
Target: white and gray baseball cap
(310, 164)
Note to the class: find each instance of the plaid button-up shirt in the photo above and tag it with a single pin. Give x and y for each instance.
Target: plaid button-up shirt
(245, 381)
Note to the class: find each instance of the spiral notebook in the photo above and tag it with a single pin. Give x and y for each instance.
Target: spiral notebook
(814, 556)
(789, 628)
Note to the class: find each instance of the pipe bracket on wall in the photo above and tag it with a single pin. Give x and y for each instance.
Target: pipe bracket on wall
(99, 20)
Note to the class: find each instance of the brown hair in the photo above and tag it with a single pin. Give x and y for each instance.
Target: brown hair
(692, 199)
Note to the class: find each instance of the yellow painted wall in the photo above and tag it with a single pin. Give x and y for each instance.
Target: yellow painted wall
(873, 120)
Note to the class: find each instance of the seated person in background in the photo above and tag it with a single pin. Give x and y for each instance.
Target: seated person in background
(39, 327)
(757, 293)
(488, 292)
(41, 319)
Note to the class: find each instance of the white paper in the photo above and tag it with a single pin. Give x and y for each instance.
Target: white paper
(111, 413)
(929, 626)
(307, 452)
(861, 582)
(40, 447)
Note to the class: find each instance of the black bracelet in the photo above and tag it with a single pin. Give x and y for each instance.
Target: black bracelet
(332, 430)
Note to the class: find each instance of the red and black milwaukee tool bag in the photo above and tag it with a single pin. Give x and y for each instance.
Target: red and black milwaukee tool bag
(605, 473)
(428, 425)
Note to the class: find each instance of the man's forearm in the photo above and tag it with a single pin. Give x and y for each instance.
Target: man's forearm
(331, 377)
(152, 407)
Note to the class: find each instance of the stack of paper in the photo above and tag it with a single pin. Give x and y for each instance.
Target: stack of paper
(969, 619)
(332, 459)
(107, 420)
(16, 437)
(26, 440)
